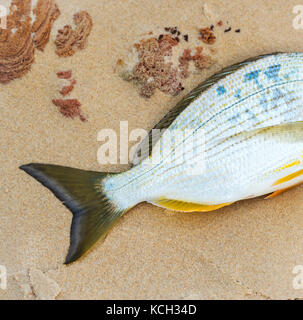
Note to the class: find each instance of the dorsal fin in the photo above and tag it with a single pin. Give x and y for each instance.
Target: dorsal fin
(144, 149)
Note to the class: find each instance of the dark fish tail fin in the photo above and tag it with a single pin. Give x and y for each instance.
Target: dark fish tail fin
(81, 192)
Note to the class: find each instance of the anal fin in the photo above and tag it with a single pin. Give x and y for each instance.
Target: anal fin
(184, 206)
(276, 193)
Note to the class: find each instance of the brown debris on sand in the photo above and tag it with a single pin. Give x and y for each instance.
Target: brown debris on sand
(207, 36)
(184, 63)
(152, 71)
(155, 64)
(68, 41)
(69, 108)
(64, 74)
(201, 61)
(19, 39)
(16, 48)
(46, 12)
(68, 89)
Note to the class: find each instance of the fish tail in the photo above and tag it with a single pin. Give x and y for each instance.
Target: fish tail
(82, 193)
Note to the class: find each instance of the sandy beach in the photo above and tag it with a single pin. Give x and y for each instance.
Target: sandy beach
(245, 251)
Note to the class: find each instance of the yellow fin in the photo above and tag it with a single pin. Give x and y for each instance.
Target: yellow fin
(276, 193)
(282, 191)
(289, 177)
(187, 206)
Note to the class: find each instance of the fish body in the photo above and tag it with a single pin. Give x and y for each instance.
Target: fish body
(236, 136)
(253, 137)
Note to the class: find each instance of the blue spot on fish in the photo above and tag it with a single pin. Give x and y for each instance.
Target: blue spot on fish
(234, 119)
(221, 90)
(238, 94)
(251, 115)
(253, 76)
(272, 72)
(278, 94)
(287, 75)
(264, 102)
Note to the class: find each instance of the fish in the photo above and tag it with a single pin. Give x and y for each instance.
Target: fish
(236, 136)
